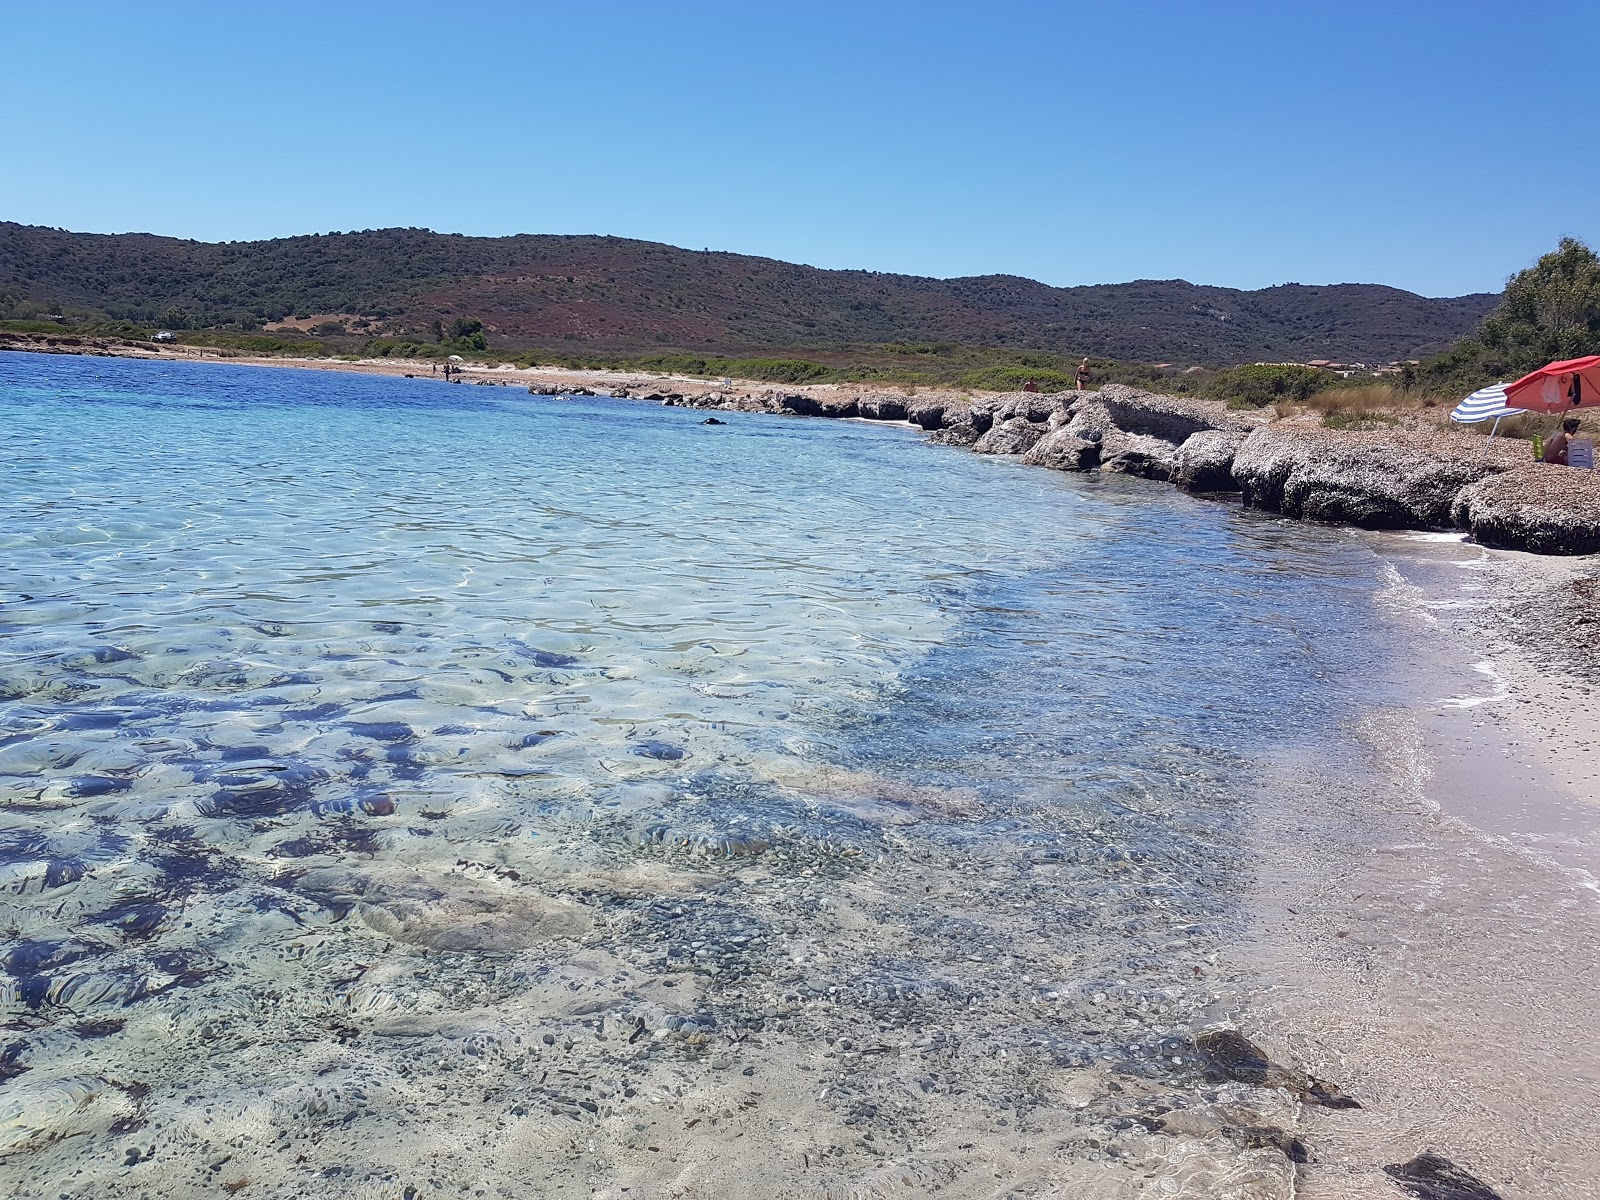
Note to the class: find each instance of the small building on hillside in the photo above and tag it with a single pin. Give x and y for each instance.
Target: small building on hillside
(164, 335)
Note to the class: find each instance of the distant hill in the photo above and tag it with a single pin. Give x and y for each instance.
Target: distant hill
(615, 295)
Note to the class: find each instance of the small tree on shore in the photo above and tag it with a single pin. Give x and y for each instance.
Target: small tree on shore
(1549, 312)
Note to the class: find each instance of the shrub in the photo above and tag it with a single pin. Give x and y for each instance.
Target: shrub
(1011, 379)
(1261, 384)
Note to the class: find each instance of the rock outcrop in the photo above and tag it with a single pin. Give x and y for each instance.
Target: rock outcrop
(881, 408)
(1139, 433)
(1013, 435)
(1536, 507)
(1062, 450)
(1379, 480)
(1204, 463)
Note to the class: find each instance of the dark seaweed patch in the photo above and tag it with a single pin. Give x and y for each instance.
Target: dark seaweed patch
(84, 787)
(136, 920)
(30, 958)
(268, 790)
(11, 1064)
(548, 659)
(90, 718)
(406, 763)
(382, 731)
(321, 712)
(90, 1030)
(387, 627)
(188, 864)
(61, 871)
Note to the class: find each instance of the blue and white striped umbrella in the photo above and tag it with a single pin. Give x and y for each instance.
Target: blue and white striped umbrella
(1483, 405)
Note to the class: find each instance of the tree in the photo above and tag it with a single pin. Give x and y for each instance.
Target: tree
(466, 333)
(1549, 312)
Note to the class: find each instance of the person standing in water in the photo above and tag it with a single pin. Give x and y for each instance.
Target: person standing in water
(1082, 376)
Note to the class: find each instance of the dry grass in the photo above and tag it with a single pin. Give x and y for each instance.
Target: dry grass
(1378, 405)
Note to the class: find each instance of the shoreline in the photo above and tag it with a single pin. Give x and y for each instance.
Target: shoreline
(1424, 868)
(1411, 475)
(1428, 935)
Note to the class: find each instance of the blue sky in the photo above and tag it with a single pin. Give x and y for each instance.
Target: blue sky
(1242, 144)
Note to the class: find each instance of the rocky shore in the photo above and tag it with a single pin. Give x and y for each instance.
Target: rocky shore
(1402, 478)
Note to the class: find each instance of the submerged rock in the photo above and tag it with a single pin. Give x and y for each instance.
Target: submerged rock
(1232, 1055)
(955, 435)
(1431, 1176)
(660, 751)
(1534, 506)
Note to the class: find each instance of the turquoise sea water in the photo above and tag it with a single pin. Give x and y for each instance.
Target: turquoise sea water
(410, 786)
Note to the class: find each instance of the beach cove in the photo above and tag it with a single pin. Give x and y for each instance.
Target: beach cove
(607, 804)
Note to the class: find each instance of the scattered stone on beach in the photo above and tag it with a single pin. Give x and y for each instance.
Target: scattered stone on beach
(1431, 1176)
(1234, 1056)
(1204, 462)
(1540, 507)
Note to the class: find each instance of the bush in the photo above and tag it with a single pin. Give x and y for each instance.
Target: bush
(1260, 384)
(247, 343)
(1011, 379)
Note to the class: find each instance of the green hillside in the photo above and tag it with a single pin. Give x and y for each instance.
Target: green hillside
(607, 296)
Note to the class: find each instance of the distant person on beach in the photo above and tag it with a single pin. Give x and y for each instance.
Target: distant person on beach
(1555, 450)
(1082, 376)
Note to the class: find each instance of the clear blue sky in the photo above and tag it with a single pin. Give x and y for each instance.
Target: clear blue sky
(1437, 146)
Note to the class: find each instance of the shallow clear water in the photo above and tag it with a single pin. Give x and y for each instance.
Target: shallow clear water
(446, 788)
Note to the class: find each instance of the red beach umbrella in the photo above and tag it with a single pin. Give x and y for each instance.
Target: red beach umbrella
(1574, 383)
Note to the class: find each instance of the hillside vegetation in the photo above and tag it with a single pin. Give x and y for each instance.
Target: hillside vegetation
(612, 298)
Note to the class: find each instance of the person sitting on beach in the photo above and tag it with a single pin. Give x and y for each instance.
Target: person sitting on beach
(1082, 377)
(1555, 450)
